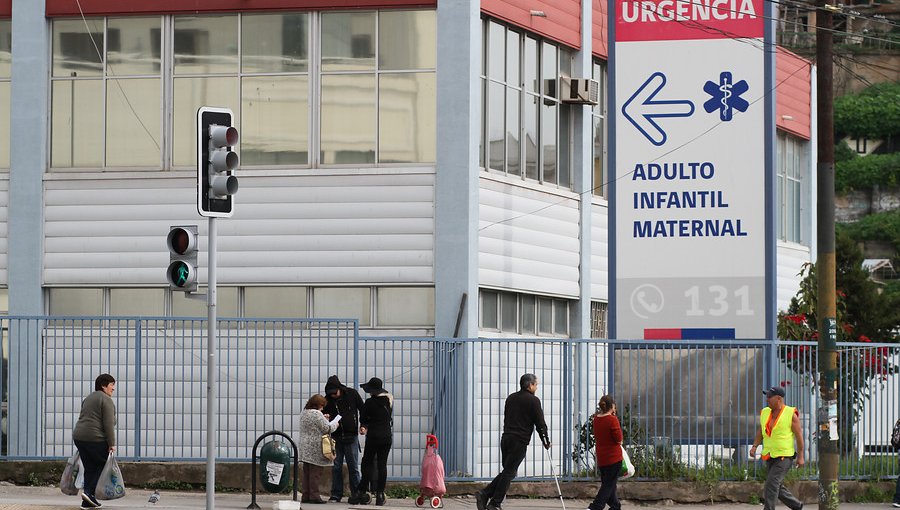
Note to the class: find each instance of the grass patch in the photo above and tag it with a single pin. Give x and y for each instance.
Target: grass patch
(401, 492)
(873, 494)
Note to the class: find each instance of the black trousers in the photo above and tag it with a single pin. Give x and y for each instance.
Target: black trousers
(606, 495)
(512, 453)
(374, 466)
(93, 456)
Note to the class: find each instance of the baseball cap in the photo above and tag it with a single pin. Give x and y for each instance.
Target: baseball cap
(774, 391)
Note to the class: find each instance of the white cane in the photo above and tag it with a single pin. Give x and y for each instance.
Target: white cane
(555, 479)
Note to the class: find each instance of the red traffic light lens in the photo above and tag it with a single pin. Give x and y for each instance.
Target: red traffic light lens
(179, 240)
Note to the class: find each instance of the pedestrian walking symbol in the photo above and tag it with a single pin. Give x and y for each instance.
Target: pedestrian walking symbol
(726, 96)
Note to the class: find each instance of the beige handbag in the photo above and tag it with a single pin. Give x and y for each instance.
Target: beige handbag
(329, 448)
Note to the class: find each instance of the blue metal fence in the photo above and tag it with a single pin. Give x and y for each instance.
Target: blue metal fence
(686, 405)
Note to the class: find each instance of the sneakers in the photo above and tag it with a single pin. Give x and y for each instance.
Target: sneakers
(493, 506)
(334, 499)
(481, 500)
(89, 501)
(380, 499)
(895, 504)
(363, 498)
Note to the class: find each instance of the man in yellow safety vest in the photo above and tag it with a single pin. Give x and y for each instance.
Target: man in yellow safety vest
(779, 428)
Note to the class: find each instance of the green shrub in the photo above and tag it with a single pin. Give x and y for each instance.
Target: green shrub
(867, 172)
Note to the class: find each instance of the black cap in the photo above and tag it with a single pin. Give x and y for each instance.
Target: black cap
(374, 386)
(774, 391)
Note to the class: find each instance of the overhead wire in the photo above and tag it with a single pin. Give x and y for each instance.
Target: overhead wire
(109, 68)
(755, 43)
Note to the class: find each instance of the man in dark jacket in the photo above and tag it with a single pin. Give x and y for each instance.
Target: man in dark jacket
(521, 415)
(346, 402)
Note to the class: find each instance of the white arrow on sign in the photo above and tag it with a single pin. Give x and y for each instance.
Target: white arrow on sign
(646, 109)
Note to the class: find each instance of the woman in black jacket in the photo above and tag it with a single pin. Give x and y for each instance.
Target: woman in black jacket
(376, 421)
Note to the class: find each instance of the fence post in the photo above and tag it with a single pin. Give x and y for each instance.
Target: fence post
(137, 387)
(567, 397)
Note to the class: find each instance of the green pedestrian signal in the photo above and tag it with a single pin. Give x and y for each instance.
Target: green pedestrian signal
(183, 243)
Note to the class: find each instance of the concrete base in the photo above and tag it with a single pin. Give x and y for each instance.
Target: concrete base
(236, 476)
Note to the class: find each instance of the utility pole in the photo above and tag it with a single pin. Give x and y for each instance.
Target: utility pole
(829, 453)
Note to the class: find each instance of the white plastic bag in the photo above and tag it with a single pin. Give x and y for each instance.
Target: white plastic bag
(72, 474)
(627, 466)
(111, 485)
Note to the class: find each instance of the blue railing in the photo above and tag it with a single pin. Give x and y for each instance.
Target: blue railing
(685, 405)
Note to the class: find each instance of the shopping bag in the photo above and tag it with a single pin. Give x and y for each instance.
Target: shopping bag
(329, 448)
(110, 485)
(72, 474)
(432, 483)
(627, 467)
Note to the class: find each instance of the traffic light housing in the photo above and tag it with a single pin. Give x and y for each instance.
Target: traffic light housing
(183, 242)
(216, 162)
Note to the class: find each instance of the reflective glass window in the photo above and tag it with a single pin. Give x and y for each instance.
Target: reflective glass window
(275, 43)
(274, 126)
(206, 44)
(147, 302)
(348, 41)
(348, 119)
(226, 303)
(5, 48)
(400, 306)
(65, 301)
(343, 303)
(282, 302)
(189, 95)
(407, 118)
(77, 123)
(406, 40)
(133, 122)
(489, 309)
(77, 47)
(133, 46)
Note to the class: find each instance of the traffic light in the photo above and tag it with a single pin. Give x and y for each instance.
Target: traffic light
(216, 162)
(183, 242)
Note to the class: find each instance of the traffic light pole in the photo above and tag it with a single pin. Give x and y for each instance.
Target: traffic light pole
(211, 370)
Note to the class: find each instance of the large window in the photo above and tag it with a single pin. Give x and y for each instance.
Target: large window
(523, 314)
(525, 128)
(126, 90)
(790, 162)
(380, 307)
(5, 73)
(601, 177)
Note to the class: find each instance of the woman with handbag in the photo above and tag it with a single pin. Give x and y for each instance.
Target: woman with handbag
(608, 441)
(95, 435)
(313, 426)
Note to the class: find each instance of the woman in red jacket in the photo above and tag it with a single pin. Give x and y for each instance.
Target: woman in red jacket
(608, 439)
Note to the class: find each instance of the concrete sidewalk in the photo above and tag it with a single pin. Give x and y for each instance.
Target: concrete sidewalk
(14, 497)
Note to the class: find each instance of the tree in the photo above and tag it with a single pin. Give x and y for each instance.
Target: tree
(863, 314)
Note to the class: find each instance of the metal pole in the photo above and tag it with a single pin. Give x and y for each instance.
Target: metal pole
(211, 370)
(829, 452)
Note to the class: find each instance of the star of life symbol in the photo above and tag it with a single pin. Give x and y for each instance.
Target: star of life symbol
(726, 96)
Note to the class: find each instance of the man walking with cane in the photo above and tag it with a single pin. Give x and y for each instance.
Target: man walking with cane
(779, 428)
(521, 415)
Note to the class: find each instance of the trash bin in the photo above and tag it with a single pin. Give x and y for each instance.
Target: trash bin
(275, 466)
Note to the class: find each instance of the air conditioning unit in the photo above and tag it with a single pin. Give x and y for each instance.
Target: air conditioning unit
(579, 91)
(550, 91)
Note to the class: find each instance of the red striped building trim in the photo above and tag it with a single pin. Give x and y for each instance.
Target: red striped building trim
(561, 21)
(132, 7)
(793, 105)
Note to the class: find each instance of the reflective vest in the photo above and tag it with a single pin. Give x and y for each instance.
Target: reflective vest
(779, 442)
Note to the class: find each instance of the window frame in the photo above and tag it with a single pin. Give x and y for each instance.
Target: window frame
(168, 77)
(562, 116)
(791, 160)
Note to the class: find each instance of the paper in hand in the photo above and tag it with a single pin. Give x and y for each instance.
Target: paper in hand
(336, 419)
